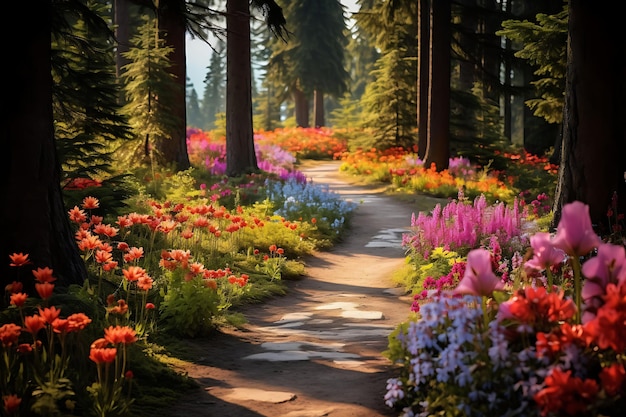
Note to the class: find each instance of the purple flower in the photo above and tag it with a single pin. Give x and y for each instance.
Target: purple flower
(544, 253)
(479, 278)
(574, 234)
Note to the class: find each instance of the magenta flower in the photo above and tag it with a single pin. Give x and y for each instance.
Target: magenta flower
(479, 278)
(608, 267)
(574, 233)
(544, 253)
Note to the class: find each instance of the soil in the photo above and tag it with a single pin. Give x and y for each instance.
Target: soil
(317, 351)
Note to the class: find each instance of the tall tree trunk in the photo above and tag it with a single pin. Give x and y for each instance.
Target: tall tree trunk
(301, 103)
(33, 218)
(593, 162)
(121, 19)
(318, 108)
(240, 154)
(173, 149)
(438, 148)
(423, 81)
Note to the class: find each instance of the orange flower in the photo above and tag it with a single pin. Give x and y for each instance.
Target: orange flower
(133, 254)
(44, 275)
(280, 251)
(133, 273)
(273, 248)
(102, 355)
(9, 333)
(109, 266)
(90, 242)
(44, 290)
(77, 215)
(150, 306)
(90, 203)
(120, 309)
(11, 403)
(60, 326)
(49, 314)
(120, 334)
(32, 324)
(99, 343)
(103, 257)
(144, 283)
(78, 321)
(18, 299)
(19, 259)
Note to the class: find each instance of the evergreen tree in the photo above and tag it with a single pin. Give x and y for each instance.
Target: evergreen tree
(214, 98)
(194, 113)
(148, 106)
(88, 124)
(389, 101)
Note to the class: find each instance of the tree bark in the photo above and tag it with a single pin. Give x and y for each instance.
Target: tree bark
(33, 218)
(240, 154)
(173, 149)
(438, 147)
(302, 107)
(423, 81)
(593, 162)
(121, 18)
(318, 108)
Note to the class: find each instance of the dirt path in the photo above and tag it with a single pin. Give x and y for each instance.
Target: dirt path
(316, 351)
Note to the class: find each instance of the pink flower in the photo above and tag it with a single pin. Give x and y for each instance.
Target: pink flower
(479, 278)
(607, 267)
(544, 253)
(574, 234)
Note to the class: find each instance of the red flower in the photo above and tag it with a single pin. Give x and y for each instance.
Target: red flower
(11, 403)
(102, 355)
(49, 314)
(9, 333)
(120, 334)
(44, 290)
(44, 275)
(32, 324)
(612, 379)
(18, 299)
(19, 259)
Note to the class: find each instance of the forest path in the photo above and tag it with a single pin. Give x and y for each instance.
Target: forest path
(316, 351)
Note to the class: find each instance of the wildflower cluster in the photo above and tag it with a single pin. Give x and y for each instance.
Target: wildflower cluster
(549, 343)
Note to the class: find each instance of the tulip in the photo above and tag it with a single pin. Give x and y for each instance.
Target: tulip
(479, 278)
(575, 235)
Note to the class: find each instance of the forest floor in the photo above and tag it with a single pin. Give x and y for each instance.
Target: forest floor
(316, 351)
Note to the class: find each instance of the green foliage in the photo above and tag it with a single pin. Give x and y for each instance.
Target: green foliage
(389, 102)
(189, 306)
(148, 93)
(543, 44)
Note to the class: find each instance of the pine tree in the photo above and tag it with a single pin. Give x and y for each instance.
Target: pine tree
(148, 105)
(194, 113)
(214, 98)
(88, 124)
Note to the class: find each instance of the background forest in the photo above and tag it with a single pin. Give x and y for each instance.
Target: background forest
(98, 115)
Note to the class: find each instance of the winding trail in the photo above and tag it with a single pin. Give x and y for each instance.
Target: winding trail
(316, 351)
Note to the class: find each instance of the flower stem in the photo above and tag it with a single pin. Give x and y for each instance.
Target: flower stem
(577, 288)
